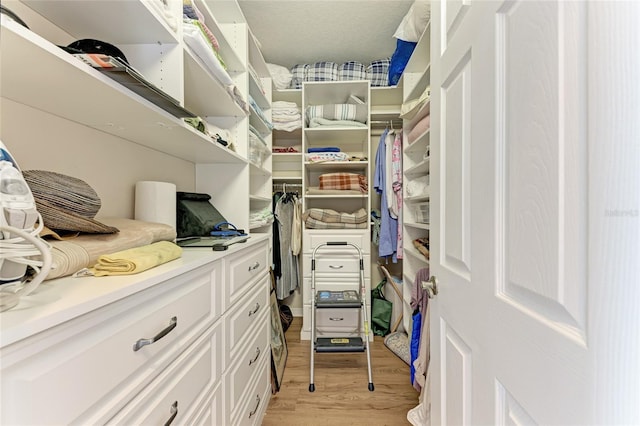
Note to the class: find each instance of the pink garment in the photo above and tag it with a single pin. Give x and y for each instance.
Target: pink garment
(419, 128)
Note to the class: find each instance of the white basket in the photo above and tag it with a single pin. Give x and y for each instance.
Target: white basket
(421, 212)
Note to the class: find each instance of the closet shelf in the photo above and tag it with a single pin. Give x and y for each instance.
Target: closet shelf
(111, 108)
(286, 135)
(414, 253)
(418, 83)
(420, 169)
(418, 198)
(257, 94)
(260, 199)
(337, 196)
(257, 170)
(200, 87)
(283, 155)
(337, 165)
(138, 25)
(419, 146)
(417, 225)
(258, 123)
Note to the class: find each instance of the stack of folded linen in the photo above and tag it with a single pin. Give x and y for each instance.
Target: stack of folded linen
(286, 116)
(260, 217)
(331, 219)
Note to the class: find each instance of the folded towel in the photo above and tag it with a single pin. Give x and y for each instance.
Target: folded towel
(135, 260)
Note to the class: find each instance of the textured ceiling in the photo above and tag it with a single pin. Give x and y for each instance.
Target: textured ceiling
(306, 31)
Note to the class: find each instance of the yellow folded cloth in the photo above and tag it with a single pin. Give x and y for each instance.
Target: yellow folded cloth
(135, 260)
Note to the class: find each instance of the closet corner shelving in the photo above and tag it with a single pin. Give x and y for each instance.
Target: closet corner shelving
(354, 141)
(416, 170)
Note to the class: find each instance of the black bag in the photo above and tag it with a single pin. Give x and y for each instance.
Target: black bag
(286, 317)
(381, 310)
(195, 215)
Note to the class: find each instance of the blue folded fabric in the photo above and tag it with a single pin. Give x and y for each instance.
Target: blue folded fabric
(325, 149)
(399, 60)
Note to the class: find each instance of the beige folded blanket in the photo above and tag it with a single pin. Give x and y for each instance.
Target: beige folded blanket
(69, 256)
(136, 260)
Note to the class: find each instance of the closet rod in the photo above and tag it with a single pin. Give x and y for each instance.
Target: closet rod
(285, 185)
(388, 123)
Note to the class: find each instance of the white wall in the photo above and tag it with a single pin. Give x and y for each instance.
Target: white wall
(110, 165)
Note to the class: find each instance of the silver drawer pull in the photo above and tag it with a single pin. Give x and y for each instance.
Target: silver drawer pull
(144, 342)
(336, 266)
(254, 266)
(336, 319)
(256, 358)
(255, 410)
(174, 413)
(255, 310)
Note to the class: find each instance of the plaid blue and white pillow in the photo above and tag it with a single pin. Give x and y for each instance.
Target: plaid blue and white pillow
(352, 70)
(378, 72)
(298, 75)
(322, 71)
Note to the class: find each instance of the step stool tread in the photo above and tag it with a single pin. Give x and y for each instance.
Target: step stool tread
(340, 344)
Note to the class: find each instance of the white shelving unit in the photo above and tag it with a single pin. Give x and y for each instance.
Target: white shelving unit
(416, 168)
(61, 114)
(354, 142)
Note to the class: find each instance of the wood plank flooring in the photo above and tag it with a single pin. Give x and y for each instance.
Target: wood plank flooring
(341, 396)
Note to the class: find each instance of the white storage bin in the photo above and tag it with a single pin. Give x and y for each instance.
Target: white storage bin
(421, 212)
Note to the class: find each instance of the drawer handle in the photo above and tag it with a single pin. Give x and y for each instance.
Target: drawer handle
(255, 310)
(256, 358)
(254, 266)
(144, 342)
(255, 410)
(336, 319)
(336, 266)
(174, 413)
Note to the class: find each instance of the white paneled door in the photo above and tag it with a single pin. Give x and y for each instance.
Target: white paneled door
(536, 200)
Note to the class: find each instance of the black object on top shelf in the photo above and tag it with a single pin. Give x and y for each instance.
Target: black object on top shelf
(126, 75)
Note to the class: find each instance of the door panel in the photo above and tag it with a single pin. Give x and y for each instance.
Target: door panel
(509, 178)
(456, 374)
(455, 217)
(541, 172)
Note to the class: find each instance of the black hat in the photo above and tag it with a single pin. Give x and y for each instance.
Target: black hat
(88, 45)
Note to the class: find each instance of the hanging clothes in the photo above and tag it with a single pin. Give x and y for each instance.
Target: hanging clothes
(289, 277)
(388, 174)
(420, 335)
(388, 225)
(396, 173)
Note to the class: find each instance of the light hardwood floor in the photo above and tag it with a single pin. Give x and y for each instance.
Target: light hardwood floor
(341, 396)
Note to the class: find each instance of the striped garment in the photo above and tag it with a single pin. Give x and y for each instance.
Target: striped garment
(311, 223)
(352, 70)
(332, 216)
(378, 72)
(322, 71)
(344, 181)
(349, 112)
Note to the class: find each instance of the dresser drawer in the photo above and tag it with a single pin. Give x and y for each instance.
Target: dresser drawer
(334, 322)
(330, 264)
(313, 238)
(211, 413)
(177, 392)
(246, 315)
(55, 377)
(245, 368)
(243, 268)
(250, 410)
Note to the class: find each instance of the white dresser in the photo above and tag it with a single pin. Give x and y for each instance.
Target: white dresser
(72, 353)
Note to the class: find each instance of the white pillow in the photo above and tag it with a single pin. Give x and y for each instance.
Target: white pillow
(280, 75)
(414, 22)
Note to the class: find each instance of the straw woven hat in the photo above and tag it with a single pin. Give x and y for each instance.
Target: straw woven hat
(66, 203)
